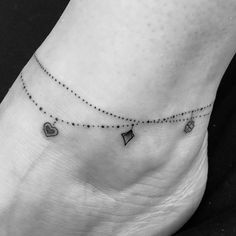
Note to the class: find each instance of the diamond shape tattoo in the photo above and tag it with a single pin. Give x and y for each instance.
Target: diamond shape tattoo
(128, 136)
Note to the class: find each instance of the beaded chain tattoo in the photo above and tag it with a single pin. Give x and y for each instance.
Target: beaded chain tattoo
(50, 130)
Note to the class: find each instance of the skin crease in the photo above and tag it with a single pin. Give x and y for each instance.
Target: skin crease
(142, 59)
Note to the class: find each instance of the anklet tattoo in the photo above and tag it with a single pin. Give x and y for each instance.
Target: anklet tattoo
(97, 108)
(50, 130)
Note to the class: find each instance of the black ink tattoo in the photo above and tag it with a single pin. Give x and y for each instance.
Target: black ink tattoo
(120, 117)
(50, 130)
(128, 136)
(189, 126)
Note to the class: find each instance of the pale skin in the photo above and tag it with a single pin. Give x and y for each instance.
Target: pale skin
(138, 58)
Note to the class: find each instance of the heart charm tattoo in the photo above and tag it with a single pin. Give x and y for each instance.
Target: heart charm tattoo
(50, 130)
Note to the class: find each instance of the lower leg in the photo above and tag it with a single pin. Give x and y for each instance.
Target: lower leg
(122, 59)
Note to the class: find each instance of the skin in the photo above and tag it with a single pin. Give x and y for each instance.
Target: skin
(142, 59)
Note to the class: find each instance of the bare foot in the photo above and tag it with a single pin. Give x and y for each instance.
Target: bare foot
(124, 58)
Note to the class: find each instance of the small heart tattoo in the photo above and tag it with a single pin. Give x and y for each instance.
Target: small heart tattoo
(50, 130)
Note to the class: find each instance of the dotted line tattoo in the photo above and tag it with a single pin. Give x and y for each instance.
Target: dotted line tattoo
(50, 130)
(97, 108)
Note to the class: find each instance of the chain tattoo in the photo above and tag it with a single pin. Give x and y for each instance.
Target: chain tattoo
(50, 130)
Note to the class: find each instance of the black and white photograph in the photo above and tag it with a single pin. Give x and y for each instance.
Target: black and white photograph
(117, 118)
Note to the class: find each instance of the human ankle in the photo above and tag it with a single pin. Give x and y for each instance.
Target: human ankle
(172, 141)
(161, 162)
(60, 103)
